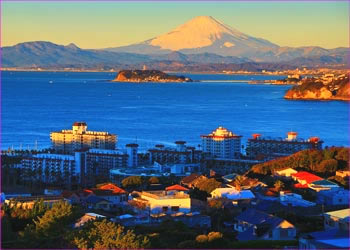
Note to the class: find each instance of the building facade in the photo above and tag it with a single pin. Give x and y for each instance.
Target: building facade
(68, 141)
(269, 148)
(222, 143)
(50, 169)
(181, 154)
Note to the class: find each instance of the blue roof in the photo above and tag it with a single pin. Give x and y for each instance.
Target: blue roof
(324, 183)
(253, 216)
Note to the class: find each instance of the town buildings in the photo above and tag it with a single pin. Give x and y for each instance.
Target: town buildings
(267, 148)
(68, 141)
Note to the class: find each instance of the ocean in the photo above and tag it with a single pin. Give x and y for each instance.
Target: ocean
(36, 103)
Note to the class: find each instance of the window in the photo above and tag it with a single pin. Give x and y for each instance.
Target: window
(283, 233)
(165, 209)
(175, 208)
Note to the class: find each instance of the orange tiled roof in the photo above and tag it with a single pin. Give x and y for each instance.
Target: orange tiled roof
(306, 176)
(176, 187)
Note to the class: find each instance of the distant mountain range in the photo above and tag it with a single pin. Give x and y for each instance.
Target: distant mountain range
(202, 41)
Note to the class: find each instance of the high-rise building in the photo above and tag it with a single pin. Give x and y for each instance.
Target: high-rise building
(68, 141)
(95, 164)
(131, 150)
(51, 169)
(269, 148)
(222, 143)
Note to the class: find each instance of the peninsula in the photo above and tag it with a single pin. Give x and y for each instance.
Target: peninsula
(148, 76)
(327, 87)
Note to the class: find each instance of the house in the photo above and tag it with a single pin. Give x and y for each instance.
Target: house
(110, 192)
(132, 220)
(328, 239)
(335, 235)
(287, 172)
(232, 194)
(247, 183)
(229, 178)
(305, 178)
(164, 201)
(192, 180)
(73, 197)
(95, 202)
(333, 197)
(87, 217)
(295, 200)
(337, 219)
(28, 202)
(342, 173)
(322, 185)
(253, 224)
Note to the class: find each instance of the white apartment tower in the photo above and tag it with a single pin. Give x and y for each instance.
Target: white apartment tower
(222, 143)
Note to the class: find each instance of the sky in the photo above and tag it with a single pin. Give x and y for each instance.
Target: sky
(111, 24)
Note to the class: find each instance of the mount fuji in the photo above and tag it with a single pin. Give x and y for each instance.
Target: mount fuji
(202, 34)
(205, 34)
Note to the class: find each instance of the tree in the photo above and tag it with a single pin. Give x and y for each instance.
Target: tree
(279, 185)
(153, 180)
(132, 181)
(107, 235)
(238, 182)
(327, 166)
(208, 185)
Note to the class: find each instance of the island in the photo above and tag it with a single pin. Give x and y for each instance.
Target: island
(148, 76)
(326, 87)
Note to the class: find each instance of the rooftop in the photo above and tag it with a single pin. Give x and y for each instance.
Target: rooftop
(341, 214)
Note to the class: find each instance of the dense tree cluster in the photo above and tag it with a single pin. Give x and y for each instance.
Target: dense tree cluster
(132, 181)
(208, 185)
(325, 161)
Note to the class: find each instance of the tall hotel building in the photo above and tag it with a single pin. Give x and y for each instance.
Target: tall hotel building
(222, 143)
(68, 141)
(269, 148)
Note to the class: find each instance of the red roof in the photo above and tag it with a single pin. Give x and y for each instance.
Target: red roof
(113, 187)
(298, 185)
(176, 187)
(306, 176)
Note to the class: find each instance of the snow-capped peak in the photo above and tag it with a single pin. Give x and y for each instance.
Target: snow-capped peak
(199, 32)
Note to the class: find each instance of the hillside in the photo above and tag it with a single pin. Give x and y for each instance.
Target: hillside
(316, 89)
(325, 161)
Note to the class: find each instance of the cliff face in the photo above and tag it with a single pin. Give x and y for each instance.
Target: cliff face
(314, 90)
(148, 76)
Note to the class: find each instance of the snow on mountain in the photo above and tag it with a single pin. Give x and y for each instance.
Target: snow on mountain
(202, 34)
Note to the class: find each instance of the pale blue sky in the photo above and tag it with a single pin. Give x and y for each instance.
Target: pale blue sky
(110, 24)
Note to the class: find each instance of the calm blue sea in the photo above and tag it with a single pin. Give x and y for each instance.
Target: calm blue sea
(35, 103)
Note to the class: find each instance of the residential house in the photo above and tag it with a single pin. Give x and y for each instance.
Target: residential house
(87, 217)
(253, 224)
(337, 219)
(304, 179)
(192, 180)
(110, 192)
(177, 187)
(164, 201)
(294, 200)
(287, 172)
(247, 183)
(232, 194)
(342, 173)
(73, 197)
(335, 235)
(333, 197)
(95, 202)
(322, 185)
